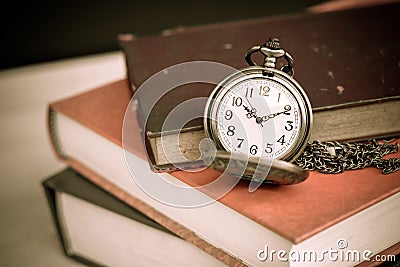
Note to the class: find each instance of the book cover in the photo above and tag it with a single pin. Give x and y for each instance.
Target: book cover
(350, 68)
(324, 205)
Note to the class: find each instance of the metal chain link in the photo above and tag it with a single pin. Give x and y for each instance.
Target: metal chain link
(335, 157)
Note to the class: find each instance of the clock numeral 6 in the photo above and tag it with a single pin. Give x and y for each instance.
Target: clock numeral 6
(253, 149)
(231, 130)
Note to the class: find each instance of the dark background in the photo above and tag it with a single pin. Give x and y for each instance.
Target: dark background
(43, 31)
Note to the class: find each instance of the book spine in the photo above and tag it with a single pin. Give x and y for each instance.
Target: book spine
(124, 39)
(50, 196)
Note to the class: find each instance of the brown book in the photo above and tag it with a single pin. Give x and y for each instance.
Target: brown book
(358, 206)
(347, 62)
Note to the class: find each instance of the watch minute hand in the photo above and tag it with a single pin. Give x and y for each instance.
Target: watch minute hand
(271, 116)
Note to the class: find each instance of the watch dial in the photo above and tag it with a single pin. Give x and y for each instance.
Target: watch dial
(259, 117)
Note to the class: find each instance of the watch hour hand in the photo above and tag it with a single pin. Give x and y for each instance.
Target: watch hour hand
(251, 113)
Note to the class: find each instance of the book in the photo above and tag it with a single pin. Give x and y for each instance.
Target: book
(97, 229)
(335, 5)
(359, 206)
(350, 75)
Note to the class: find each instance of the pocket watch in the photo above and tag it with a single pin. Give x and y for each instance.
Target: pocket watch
(261, 112)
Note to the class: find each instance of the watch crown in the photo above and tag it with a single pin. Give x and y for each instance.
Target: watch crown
(273, 43)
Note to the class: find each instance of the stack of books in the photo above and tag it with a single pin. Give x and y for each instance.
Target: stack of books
(348, 64)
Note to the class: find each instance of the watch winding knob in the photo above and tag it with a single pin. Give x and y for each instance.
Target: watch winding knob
(273, 43)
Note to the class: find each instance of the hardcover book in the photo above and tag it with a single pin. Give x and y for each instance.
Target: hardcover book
(97, 229)
(350, 75)
(358, 206)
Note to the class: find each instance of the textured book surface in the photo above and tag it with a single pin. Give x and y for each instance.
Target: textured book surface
(338, 69)
(362, 56)
(293, 212)
(91, 222)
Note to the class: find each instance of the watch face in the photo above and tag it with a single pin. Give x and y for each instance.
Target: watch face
(259, 113)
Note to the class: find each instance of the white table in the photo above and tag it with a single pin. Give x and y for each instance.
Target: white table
(27, 233)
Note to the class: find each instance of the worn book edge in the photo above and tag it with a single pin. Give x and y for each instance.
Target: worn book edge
(358, 121)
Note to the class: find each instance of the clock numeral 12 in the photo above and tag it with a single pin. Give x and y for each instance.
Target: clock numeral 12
(264, 90)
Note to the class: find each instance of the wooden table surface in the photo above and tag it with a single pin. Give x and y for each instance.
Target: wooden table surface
(27, 234)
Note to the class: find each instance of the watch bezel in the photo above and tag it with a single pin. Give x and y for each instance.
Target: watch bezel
(219, 92)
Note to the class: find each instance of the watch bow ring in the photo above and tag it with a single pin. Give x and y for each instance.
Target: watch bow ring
(272, 51)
